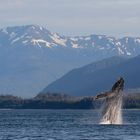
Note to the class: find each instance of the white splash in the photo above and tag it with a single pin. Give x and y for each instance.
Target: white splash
(111, 111)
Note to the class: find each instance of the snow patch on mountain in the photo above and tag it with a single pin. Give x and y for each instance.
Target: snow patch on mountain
(33, 27)
(13, 35)
(74, 39)
(40, 41)
(41, 28)
(126, 40)
(118, 43)
(87, 38)
(4, 30)
(120, 51)
(15, 40)
(28, 37)
(25, 41)
(74, 45)
(58, 40)
(18, 38)
(137, 40)
(100, 37)
(128, 53)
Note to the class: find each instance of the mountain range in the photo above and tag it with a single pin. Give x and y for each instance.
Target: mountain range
(32, 57)
(98, 77)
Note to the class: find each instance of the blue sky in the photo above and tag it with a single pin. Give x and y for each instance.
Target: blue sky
(75, 17)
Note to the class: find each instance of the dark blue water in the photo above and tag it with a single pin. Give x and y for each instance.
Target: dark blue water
(65, 125)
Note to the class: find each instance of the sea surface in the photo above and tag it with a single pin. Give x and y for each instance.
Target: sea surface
(66, 125)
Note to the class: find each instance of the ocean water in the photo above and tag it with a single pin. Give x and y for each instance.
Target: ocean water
(66, 125)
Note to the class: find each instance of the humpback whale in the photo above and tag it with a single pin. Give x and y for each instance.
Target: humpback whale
(117, 87)
(111, 110)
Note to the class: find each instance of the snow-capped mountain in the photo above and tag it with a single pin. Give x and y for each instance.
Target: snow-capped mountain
(31, 57)
(34, 35)
(31, 35)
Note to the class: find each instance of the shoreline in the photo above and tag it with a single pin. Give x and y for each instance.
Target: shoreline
(57, 109)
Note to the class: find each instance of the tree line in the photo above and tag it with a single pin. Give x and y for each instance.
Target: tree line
(62, 101)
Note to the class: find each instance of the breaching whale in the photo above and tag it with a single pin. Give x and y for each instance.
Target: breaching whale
(111, 109)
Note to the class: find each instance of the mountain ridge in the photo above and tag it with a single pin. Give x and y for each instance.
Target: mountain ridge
(82, 83)
(32, 57)
(39, 36)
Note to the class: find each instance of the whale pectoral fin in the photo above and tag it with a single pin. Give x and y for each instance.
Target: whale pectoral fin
(103, 95)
